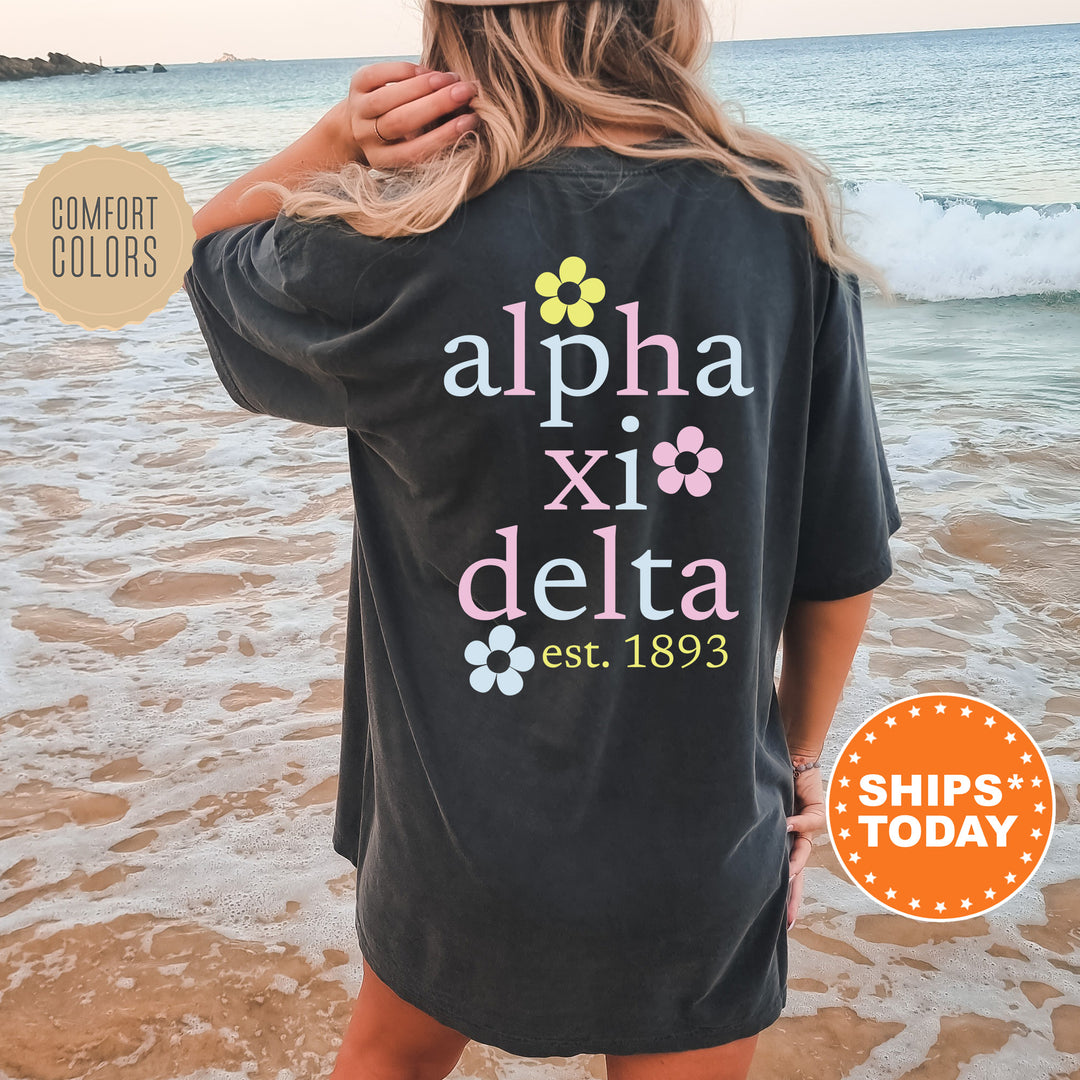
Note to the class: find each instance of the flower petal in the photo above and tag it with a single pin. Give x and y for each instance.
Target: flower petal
(670, 480)
(592, 289)
(476, 652)
(522, 658)
(572, 269)
(510, 682)
(690, 438)
(710, 459)
(580, 313)
(482, 679)
(502, 637)
(664, 453)
(698, 483)
(552, 310)
(547, 284)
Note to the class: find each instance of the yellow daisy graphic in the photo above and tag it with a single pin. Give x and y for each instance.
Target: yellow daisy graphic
(569, 291)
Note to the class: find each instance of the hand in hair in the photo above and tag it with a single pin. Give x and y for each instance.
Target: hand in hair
(407, 99)
(410, 103)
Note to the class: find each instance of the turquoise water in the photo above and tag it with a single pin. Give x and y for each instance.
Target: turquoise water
(962, 147)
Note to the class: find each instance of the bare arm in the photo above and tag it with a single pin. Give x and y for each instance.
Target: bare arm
(819, 638)
(325, 146)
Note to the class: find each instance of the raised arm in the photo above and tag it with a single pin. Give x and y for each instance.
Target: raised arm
(404, 97)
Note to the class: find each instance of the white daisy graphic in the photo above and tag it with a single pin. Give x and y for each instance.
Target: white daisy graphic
(498, 661)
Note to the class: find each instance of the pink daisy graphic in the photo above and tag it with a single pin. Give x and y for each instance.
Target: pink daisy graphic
(688, 461)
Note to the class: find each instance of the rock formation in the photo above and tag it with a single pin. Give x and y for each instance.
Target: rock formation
(14, 67)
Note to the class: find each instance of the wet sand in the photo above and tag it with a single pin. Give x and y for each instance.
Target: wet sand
(170, 903)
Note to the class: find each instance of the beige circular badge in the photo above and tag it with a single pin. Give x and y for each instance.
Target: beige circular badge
(103, 237)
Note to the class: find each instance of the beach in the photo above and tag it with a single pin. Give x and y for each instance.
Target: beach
(175, 589)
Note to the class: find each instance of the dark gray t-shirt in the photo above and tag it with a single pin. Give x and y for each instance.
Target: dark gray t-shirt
(603, 424)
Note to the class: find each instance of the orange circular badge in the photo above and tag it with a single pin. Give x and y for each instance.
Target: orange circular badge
(940, 807)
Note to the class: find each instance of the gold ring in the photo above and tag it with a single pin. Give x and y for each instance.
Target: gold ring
(379, 133)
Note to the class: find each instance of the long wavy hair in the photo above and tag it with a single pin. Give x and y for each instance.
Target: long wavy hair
(553, 71)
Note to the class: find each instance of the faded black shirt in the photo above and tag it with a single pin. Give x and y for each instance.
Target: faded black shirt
(603, 425)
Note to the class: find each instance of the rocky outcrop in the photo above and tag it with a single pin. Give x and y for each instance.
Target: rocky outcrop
(14, 67)
(228, 58)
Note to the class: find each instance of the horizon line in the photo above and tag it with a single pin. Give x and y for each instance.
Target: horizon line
(715, 41)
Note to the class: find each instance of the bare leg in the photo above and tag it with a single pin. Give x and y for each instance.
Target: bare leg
(389, 1039)
(728, 1062)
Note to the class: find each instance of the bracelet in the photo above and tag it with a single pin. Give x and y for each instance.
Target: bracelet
(796, 769)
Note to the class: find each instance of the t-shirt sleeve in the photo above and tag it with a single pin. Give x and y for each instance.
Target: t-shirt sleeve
(245, 284)
(849, 508)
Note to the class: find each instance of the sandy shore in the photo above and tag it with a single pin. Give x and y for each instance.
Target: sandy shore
(170, 904)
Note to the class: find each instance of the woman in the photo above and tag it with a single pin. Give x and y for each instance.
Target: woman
(597, 350)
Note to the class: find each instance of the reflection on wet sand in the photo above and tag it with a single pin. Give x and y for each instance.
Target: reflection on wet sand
(170, 903)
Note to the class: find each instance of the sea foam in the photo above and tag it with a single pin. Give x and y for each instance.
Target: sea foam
(933, 247)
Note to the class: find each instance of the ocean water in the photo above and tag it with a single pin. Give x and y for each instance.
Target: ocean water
(175, 571)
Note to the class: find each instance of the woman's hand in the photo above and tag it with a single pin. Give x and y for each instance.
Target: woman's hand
(406, 99)
(808, 820)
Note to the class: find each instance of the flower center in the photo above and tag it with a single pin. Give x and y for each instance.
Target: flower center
(569, 292)
(498, 661)
(686, 462)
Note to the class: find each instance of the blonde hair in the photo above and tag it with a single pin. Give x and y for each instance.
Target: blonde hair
(552, 71)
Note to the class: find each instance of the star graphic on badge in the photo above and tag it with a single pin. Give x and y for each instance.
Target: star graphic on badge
(939, 708)
(965, 711)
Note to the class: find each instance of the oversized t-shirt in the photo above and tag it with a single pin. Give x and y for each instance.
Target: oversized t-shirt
(603, 425)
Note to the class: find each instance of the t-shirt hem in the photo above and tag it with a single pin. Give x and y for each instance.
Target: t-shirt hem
(841, 589)
(218, 354)
(343, 849)
(563, 1044)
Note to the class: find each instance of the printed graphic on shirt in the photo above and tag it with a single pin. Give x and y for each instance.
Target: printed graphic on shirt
(686, 464)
